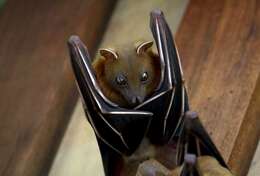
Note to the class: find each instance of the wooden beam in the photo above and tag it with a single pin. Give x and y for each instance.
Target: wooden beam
(219, 43)
(36, 82)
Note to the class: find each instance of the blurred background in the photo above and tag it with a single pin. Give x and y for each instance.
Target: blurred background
(43, 129)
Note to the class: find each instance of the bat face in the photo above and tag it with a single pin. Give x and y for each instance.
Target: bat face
(134, 76)
(128, 74)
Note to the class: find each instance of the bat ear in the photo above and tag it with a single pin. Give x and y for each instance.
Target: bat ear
(108, 53)
(142, 47)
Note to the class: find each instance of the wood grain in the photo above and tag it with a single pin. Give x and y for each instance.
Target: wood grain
(219, 43)
(36, 82)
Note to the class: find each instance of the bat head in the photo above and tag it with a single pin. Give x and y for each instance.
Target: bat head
(132, 71)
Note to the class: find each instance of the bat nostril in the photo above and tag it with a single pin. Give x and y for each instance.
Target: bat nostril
(134, 100)
(140, 99)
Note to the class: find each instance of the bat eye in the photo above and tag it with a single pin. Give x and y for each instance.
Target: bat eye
(144, 77)
(121, 80)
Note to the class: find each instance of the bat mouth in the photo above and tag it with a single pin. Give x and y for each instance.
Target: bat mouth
(135, 101)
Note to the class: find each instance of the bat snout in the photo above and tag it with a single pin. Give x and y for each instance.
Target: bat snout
(135, 100)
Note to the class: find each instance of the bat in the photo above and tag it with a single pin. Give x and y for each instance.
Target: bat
(163, 116)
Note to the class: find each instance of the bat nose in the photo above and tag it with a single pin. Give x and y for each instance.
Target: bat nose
(140, 99)
(134, 100)
(137, 100)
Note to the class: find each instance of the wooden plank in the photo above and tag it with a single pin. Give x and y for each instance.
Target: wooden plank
(219, 42)
(36, 82)
(255, 164)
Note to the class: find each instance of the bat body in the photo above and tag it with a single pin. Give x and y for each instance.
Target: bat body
(128, 75)
(127, 105)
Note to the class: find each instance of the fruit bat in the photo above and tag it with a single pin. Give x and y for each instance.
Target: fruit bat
(161, 118)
